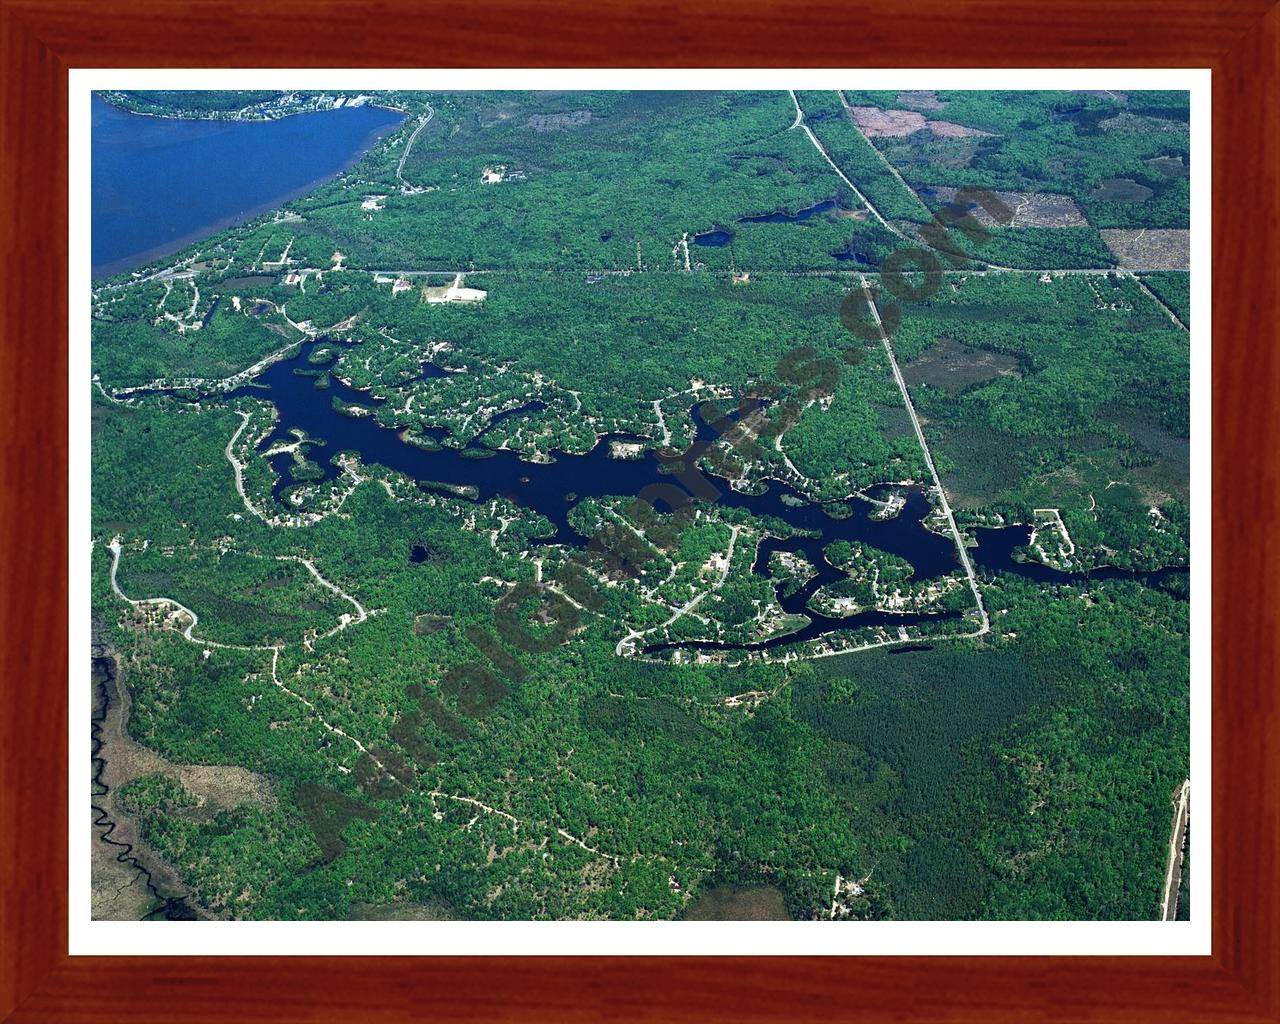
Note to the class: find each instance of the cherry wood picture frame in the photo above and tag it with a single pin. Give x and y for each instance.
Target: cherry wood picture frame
(41, 39)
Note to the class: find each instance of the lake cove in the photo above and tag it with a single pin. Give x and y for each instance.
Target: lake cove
(161, 183)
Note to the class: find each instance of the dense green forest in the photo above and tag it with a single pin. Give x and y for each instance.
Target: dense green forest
(527, 278)
(587, 181)
(1174, 290)
(1000, 764)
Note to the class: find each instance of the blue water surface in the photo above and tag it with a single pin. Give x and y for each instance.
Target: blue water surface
(161, 183)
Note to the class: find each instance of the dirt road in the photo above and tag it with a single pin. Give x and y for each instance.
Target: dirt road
(1177, 853)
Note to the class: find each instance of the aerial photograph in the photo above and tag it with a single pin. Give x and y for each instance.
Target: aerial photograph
(640, 505)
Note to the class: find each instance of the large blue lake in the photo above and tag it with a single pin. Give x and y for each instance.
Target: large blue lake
(161, 183)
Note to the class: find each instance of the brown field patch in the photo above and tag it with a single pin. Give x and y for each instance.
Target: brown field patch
(877, 123)
(1149, 248)
(951, 130)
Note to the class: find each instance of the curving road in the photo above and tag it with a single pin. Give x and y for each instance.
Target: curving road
(404, 185)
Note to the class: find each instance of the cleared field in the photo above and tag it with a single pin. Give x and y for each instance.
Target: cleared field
(1149, 248)
(1030, 209)
(739, 903)
(875, 123)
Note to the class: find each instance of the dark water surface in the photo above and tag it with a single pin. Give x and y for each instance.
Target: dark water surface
(161, 183)
(717, 238)
(553, 488)
(720, 237)
(782, 217)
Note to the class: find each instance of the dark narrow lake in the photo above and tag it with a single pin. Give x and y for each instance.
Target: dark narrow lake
(782, 217)
(552, 489)
(717, 238)
(161, 183)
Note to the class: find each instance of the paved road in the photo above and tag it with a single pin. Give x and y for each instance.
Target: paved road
(409, 146)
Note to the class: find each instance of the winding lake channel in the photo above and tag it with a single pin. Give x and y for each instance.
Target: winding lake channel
(552, 489)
